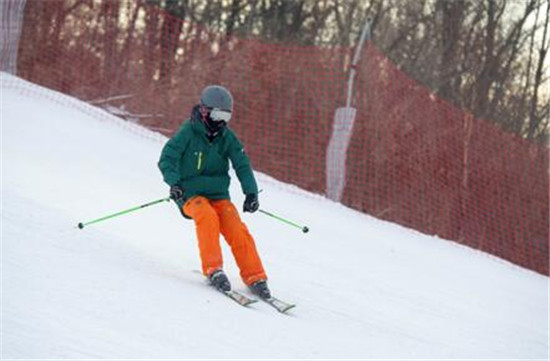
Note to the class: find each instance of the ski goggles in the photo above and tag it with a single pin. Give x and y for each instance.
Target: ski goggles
(218, 115)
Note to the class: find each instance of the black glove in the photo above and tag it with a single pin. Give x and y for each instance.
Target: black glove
(251, 203)
(176, 193)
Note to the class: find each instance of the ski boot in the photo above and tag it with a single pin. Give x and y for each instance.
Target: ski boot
(219, 280)
(260, 289)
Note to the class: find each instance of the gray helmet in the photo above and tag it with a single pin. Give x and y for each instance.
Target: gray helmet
(216, 96)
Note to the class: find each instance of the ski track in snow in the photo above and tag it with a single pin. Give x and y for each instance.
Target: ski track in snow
(128, 287)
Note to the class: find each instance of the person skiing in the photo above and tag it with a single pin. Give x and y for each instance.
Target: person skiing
(195, 164)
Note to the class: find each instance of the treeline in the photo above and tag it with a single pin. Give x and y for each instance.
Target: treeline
(485, 56)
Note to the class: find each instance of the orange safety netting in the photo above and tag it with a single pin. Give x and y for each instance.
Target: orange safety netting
(414, 159)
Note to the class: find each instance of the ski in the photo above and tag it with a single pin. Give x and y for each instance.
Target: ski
(245, 301)
(238, 297)
(278, 304)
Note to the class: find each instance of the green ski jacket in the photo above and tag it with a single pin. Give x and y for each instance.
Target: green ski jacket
(201, 167)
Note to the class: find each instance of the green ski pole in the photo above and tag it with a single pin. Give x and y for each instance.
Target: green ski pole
(304, 229)
(84, 224)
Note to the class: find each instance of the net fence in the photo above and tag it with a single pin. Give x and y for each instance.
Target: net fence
(413, 158)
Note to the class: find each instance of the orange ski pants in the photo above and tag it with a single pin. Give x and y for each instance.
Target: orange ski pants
(213, 217)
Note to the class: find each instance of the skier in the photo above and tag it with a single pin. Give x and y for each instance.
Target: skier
(195, 164)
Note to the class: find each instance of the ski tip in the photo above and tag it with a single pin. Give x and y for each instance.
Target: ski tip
(250, 302)
(279, 305)
(239, 298)
(286, 309)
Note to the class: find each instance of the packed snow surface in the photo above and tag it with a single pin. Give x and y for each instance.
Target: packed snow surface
(129, 287)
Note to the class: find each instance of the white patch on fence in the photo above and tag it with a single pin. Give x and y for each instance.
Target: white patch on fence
(11, 12)
(337, 149)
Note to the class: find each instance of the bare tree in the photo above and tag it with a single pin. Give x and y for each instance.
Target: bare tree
(169, 37)
(536, 117)
(452, 15)
(486, 56)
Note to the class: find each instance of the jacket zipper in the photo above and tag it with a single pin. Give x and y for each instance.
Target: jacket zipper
(199, 162)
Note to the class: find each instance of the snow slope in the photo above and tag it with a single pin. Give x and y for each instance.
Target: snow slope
(129, 287)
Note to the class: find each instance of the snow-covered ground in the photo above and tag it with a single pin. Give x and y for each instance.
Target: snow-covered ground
(129, 287)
